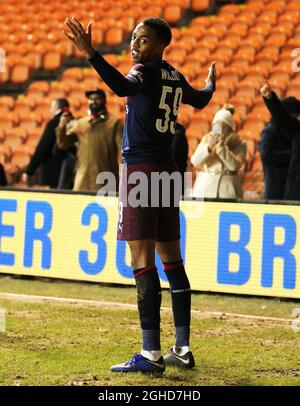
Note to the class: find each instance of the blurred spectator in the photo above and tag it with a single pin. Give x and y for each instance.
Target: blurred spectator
(180, 150)
(288, 129)
(68, 171)
(99, 138)
(229, 107)
(3, 180)
(47, 157)
(275, 151)
(219, 156)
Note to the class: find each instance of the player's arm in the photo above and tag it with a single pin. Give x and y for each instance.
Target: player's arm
(82, 40)
(200, 98)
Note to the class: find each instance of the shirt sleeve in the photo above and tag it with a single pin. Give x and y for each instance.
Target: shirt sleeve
(121, 85)
(197, 98)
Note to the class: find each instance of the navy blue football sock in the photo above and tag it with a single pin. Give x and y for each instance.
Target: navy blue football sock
(149, 301)
(181, 300)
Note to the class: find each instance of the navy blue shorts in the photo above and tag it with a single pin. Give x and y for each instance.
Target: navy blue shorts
(150, 221)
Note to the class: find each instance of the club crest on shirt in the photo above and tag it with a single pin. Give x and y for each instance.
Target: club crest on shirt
(137, 74)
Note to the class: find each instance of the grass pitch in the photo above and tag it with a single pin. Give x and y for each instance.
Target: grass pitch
(75, 344)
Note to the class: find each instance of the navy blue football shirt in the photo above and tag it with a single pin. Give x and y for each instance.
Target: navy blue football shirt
(154, 93)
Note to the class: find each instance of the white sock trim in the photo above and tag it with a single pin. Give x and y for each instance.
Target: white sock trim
(152, 355)
(181, 350)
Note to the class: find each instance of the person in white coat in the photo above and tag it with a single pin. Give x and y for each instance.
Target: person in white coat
(218, 158)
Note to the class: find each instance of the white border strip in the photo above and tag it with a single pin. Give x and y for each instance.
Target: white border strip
(125, 306)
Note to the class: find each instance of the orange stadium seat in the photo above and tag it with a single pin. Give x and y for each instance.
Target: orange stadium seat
(5, 151)
(7, 101)
(253, 40)
(202, 21)
(20, 73)
(13, 140)
(293, 90)
(20, 159)
(200, 5)
(56, 93)
(275, 5)
(198, 128)
(259, 114)
(112, 59)
(22, 111)
(230, 9)
(177, 56)
(29, 123)
(3, 109)
(283, 66)
(245, 53)
(74, 73)
(268, 17)
(60, 86)
(255, 127)
(218, 30)
(172, 13)
(221, 96)
(5, 122)
(33, 137)
(113, 36)
(284, 27)
(52, 60)
(42, 111)
(240, 29)
(40, 86)
(276, 39)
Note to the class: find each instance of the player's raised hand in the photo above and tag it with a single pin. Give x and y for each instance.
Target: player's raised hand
(212, 74)
(82, 39)
(266, 91)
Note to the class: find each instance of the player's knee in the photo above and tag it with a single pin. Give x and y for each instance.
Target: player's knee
(177, 276)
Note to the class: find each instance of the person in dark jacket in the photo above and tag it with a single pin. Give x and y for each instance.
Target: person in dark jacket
(284, 119)
(48, 157)
(180, 149)
(275, 150)
(3, 180)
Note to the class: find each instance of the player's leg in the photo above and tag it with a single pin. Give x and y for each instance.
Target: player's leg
(138, 225)
(170, 255)
(148, 295)
(149, 302)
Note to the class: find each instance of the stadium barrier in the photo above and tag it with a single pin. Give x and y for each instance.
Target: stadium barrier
(239, 247)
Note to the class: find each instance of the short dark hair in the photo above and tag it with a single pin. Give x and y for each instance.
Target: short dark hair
(62, 103)
(162, 28)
